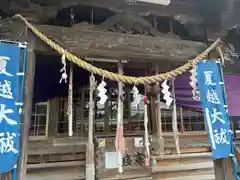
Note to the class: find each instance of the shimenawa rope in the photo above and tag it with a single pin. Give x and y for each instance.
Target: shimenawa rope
(115, 76)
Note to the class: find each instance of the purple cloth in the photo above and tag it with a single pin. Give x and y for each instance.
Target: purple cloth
(184, 96)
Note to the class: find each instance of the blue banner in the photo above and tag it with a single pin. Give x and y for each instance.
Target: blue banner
(10, 116)
(211, 87)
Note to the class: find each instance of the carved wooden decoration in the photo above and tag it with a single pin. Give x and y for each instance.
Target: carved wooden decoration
(106, 44)
(129, 23)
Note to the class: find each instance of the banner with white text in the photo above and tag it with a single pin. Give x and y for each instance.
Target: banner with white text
(211, 87)
(10, 104)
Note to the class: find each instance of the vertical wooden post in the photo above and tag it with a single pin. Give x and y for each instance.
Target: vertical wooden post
(174, 120)
(129, 110)
(27, 110)
(159, 119)
(106, 115)
(54, 114)
(120, 137)
(82, 111)
(224, 169)
(90, 167)
(181, 121)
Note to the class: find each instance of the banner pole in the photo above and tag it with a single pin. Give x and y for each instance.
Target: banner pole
(234, 161)
(27, 111)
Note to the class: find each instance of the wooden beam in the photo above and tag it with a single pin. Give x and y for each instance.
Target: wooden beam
(90, 43)
(189, 8)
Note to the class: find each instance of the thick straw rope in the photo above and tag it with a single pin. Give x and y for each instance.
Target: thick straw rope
(115, 76)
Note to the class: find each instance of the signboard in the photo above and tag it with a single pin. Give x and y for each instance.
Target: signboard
(9, 105)
(111, 160)
(138, 142)
(101, 142)
(213, 101)
(160, 2)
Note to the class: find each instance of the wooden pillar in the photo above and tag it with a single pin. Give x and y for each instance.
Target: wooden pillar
(53, 117)
(82, 111)
(129, 106)
(159, 119)
(174, 119)
(27, 110)
(120, 119)
(90, 167)
(224, 169)
(181, 121)
(107, 115)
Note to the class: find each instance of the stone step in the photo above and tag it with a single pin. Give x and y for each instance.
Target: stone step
(184, 150)
(168, 160)
(175, 167)
(130, 178)
(183, 171)
(136, 173)
(57, 174)
(184, 167)
(56, 165)
(196, 177)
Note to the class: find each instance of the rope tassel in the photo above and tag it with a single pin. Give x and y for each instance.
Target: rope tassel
(70, 98)
(174, 119)
(147, 152)
(119, 133)
(64, 75)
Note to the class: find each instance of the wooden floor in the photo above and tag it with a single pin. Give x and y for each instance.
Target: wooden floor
(134, 173)
(57, 174)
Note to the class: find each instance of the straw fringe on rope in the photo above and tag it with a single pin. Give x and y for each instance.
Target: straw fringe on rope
(115, 76)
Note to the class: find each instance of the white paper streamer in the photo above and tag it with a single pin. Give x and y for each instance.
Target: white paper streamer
(193, 83)
(166, 93)
(64, 75)
(136, 97)
(102, 92)
(70, 98)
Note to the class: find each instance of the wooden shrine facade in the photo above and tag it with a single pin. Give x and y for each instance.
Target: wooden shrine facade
(131, 35)
(125, 36)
